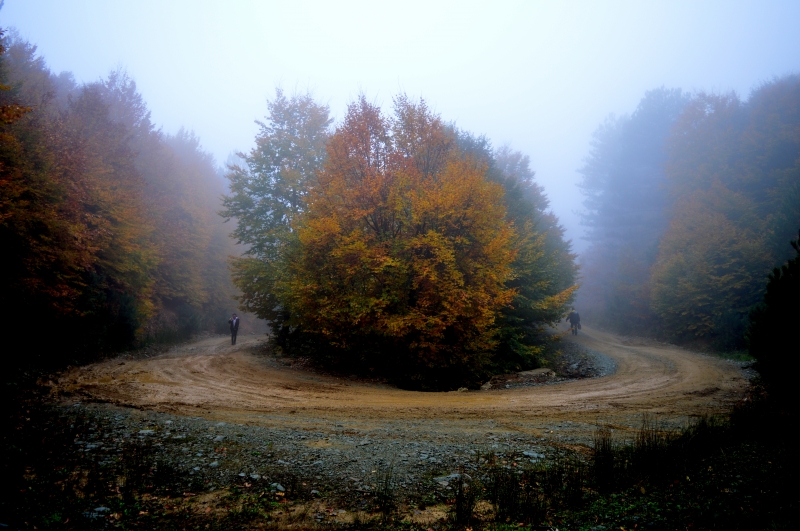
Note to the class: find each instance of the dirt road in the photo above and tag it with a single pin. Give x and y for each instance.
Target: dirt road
(212, 379)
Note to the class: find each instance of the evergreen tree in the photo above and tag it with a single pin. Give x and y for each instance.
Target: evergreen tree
(770, 335)
(626, 212)
(544, 267)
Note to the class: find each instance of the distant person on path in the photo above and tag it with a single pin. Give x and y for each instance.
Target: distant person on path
(574, 319)
(234, 322)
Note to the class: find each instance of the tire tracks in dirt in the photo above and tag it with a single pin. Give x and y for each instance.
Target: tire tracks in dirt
(212, 379)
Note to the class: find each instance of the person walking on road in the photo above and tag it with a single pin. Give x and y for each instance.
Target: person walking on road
(234, 323)
(574, 319)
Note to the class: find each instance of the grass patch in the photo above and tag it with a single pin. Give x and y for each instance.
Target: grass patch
(735, 355)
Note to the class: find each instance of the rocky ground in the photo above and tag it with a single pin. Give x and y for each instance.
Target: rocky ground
(574, 362)
(341, 463)
(207, 428)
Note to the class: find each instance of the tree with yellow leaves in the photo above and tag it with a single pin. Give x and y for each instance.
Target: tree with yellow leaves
(404, 251)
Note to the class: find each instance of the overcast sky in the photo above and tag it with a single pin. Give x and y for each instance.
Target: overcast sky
(539, 76)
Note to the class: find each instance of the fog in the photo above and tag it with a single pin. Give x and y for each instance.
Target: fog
(539, 76)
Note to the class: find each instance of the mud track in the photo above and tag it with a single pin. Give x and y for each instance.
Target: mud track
(212, 379)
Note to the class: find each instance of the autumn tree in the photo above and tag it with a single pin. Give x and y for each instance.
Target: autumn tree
(690, 202)
(38, 226)
(404, 251)
(97, 161)
(180, 194)
(107, 224)
(710, 270)
(74, 230)
(10, 111)
(733, 173)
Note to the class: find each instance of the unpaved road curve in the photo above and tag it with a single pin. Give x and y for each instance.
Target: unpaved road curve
(209, 378)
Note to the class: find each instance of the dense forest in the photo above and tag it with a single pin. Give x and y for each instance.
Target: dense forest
(108, 226)
(396, 244)
(691, 201)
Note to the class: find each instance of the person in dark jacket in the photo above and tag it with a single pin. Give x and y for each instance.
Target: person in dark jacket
(574, 319)
(234, 323)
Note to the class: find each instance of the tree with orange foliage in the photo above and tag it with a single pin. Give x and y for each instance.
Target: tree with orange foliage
(710, 269)
(108, 226)
(404, 251)
(734, 174)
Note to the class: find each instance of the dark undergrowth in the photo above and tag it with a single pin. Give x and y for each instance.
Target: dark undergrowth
(719, 473)
(735, 473)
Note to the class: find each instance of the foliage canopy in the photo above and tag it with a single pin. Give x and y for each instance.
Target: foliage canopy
(415, 250)
(108, 226)
(690, 202)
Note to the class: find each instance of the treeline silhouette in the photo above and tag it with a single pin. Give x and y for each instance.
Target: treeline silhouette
(108, 226)
(690, 203)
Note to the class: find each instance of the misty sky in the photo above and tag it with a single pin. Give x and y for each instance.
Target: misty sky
(539, 76)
